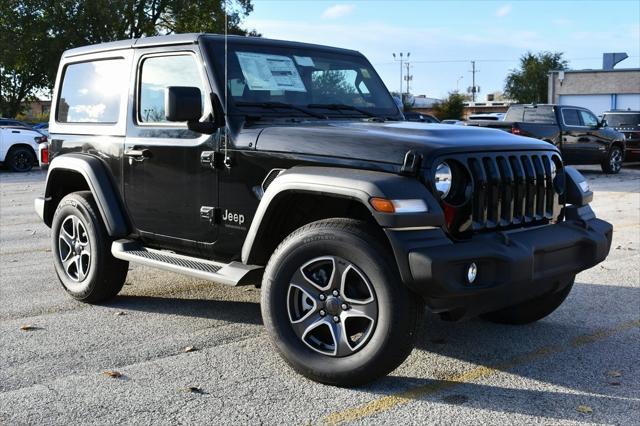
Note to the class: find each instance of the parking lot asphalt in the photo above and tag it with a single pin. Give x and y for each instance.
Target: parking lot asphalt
(579, 365)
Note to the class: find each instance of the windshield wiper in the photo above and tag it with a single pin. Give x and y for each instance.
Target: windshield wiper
(338, 107)
(275, 105)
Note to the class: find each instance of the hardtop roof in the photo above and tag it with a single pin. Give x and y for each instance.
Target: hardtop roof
(191, 38)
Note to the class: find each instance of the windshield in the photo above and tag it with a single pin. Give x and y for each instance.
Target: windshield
(269, 79)
(622, 120)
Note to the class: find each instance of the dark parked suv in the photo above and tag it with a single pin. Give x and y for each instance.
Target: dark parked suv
(289, 166)
(627, 123)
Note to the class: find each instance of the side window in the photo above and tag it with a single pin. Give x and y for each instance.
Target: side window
(156, 74)
(570, 117)
(588, 118)
(91, 92)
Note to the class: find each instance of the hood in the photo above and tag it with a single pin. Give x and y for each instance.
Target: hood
(388, 142)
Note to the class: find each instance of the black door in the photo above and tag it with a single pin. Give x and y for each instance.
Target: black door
(166, 187)
(578, 146)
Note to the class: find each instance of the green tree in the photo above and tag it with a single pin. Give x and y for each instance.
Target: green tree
(333, 84)
(451, 108)
(34, 33)
(529, 83)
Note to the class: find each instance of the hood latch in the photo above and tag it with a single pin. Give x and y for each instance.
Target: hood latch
(411, 163)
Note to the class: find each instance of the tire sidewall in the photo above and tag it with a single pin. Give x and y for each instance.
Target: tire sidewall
(75, 205)
(394, 318)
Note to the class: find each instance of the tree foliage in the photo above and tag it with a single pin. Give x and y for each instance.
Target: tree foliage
(529, 83)
(333, 85)
(451, 108)
(34, 33)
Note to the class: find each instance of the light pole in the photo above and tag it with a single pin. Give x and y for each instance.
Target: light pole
(458, 83)
(401, 59)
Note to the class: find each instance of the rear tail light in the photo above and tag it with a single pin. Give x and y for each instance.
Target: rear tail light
(40, 139)
(515, 130)
(44, 155)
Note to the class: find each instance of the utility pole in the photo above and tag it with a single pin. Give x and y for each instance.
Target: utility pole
(400, 58)
(473, 80)
(408, 77)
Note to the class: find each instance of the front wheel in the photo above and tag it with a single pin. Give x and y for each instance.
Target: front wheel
(531, 310)
(334, 305)
(613, 163)
(82, 251)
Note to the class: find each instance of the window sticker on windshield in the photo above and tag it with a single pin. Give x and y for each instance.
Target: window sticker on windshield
(270, 72)
(304, 61)
(365, 73)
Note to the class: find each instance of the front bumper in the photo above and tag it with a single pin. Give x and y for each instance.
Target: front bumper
(512, 266)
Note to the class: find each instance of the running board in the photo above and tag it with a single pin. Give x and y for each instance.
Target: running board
(234, 273)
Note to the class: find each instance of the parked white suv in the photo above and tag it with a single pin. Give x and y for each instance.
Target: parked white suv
(19, 147)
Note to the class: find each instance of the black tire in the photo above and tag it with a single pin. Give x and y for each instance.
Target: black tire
(21, 159)
(531, 310)
(613, 163)
(95, 275)
(360, 257)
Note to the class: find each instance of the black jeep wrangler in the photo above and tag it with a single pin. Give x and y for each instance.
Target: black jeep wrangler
(289, 166)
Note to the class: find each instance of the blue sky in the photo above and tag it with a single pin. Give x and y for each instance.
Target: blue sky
(444, 36)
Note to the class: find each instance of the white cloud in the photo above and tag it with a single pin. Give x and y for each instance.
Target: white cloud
(562, 22)
(503, 11)
(338, 11)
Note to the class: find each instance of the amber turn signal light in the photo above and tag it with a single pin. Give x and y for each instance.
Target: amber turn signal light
(382, 205)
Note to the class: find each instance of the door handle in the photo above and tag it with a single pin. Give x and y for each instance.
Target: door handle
(138, 154)
(583, 139)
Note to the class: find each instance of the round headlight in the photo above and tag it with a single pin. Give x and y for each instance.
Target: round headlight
(443, 179)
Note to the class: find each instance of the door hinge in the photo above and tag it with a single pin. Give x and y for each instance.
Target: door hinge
(211, 159)
(209, 214)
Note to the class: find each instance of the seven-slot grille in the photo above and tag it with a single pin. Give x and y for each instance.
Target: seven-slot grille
(513, 188)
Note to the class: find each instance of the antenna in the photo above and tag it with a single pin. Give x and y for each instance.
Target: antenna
(226, 87)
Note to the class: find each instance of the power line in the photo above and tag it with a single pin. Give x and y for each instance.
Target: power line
(446, 61)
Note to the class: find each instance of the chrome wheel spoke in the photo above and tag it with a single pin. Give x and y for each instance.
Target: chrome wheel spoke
(365, 310)
(341, 341)
(307, 324)
(69, 262)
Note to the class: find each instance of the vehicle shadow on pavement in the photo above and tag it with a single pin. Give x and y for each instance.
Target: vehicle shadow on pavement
(223, 310)
(560, 351)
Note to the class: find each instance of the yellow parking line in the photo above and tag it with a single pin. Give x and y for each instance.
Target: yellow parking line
(387, 403)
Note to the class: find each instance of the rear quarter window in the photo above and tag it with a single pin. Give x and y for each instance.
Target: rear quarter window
(541, 114)
(92, 91)
(514, 113)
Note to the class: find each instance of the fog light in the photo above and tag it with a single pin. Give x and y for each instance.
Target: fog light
(472, 272)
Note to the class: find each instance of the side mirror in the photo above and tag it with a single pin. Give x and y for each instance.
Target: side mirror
(603, 123)
(182, 103)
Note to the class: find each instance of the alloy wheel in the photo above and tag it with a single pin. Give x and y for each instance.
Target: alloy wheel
(332, 306)
(616, 160)
(74, 248)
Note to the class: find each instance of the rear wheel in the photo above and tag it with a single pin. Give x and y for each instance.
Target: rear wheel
(334, 305)
(613, 163)
(531, 310)
(82, 251)
(21, 159)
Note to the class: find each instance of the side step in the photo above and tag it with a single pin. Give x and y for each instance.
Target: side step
(234, 273)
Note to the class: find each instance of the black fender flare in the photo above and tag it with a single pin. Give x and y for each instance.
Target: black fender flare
(101, 185)
(355, 184)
